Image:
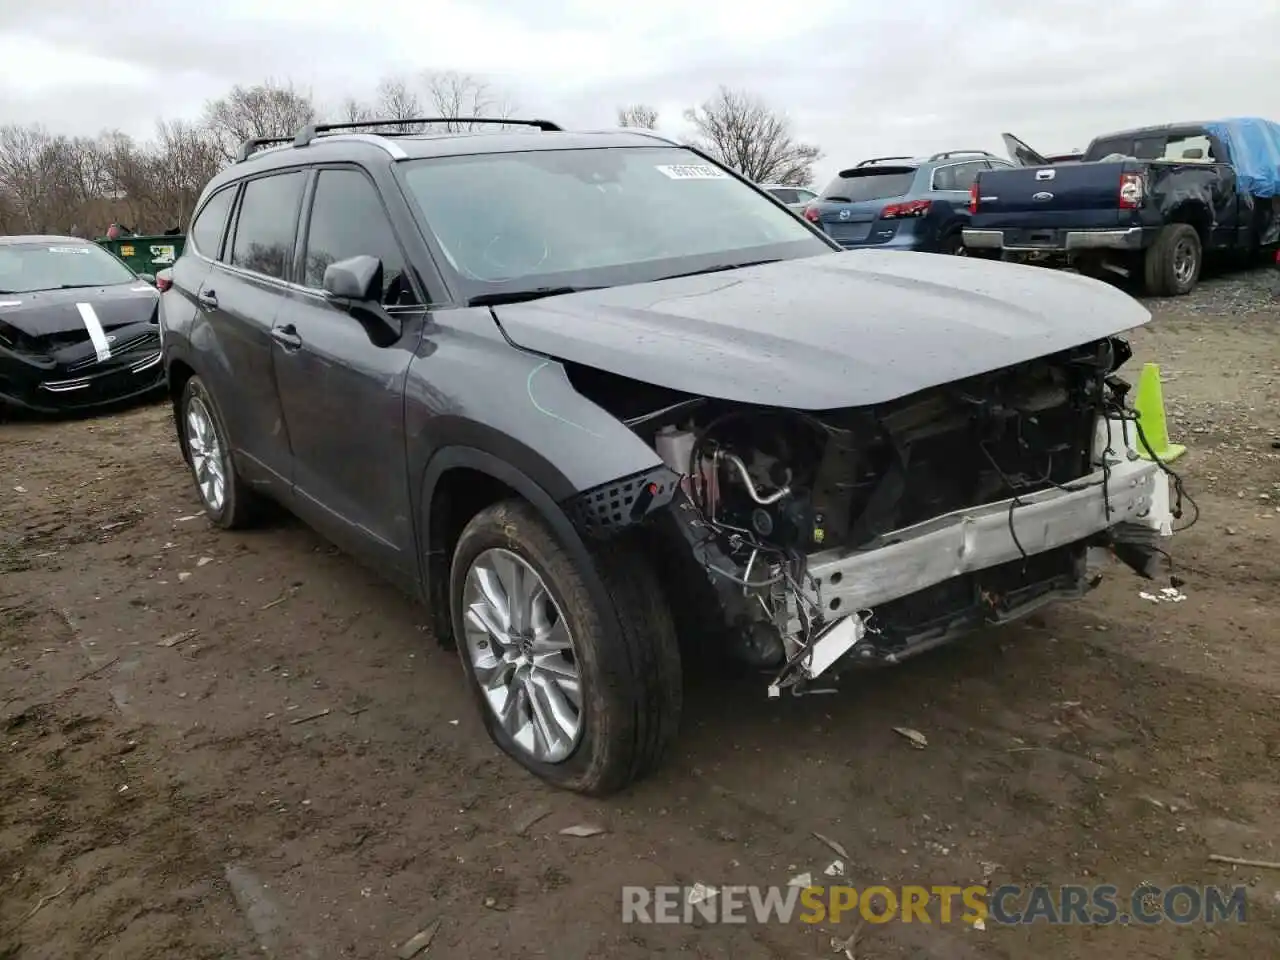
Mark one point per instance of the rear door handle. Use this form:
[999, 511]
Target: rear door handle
[287, 336]
[208, 299]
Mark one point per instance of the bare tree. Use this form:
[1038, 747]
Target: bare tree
[353, 111]
[79, 185]
[268, 109]
[45, 179]
[24, 179]
[638, 115]
[741, 131]
[184, 158]
[128, 194]
[58, 184]
[397, 100]
[459, 97]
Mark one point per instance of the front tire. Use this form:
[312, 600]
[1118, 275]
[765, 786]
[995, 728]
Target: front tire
[226, 499]
[585, 695]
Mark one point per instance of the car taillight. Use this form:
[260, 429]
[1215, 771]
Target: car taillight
[1130, 190]
[900, 211]
[811, 214]
[164, 280]
[974, 197]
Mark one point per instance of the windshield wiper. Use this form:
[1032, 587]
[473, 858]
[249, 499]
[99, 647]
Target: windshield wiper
[722, 268]
[522, 296]
[76, 286]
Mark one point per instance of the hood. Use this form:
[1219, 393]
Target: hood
[836, 330]
[45, 312]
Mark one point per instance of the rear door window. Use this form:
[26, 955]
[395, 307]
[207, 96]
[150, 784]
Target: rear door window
[267, 224]
[869, 183]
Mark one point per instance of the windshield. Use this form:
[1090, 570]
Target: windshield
[596, 217]
[26, 267]
[878, 183]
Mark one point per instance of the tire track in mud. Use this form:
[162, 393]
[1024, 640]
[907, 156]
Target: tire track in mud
[88, 811]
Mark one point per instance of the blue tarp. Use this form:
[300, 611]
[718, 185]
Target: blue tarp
[1254, 144]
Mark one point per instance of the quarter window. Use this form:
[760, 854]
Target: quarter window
[348, 220]
[267, 223]
[206, 232]
[957, 176]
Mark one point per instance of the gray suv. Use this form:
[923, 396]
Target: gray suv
[603, 405]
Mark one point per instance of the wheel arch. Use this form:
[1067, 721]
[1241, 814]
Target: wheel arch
[948, 230]
[458, 482]
[177, 372]
[1196, 214]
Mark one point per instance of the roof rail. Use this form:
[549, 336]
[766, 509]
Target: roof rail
[948, 154]
[386, 143]
[874, 160]
[250, 146]
[311, 131]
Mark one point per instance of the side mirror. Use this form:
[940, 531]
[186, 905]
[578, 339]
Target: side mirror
[357, 279]
[148, 278]
[355, 284]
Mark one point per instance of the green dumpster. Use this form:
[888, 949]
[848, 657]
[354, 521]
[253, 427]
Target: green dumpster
[145, 254]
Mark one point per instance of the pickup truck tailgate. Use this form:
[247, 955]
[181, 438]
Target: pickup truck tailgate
[1069, 195]
[1061, 209]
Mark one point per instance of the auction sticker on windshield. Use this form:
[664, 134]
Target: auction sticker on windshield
[692, 171]
[78, 250]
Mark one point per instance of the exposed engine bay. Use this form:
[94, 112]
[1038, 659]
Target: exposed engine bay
[868, 535]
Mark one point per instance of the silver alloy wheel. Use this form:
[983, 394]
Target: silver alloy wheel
[523, 655]
[1184, 261]
[206, 455]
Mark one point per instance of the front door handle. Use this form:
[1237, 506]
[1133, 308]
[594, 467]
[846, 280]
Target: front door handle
[287, 336]
[208, 299]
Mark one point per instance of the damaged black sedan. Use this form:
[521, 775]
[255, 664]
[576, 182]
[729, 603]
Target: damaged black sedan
[78, 328]
[601, 403]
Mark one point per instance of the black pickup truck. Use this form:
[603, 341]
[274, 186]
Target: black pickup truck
[1148, 203]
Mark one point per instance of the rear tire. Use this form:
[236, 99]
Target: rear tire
[624, 653]
[227, 500]
[1171, 265]
[953, 245]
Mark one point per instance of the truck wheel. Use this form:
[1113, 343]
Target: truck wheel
[226, 499]
[1171, 266]
[953, 245]
[586, 695]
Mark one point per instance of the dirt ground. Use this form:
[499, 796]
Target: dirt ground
[225, 746]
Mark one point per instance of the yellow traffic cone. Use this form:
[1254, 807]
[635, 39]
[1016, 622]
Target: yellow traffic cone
[1149, 403]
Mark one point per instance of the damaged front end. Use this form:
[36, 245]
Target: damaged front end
[65, 370]
[868, 535]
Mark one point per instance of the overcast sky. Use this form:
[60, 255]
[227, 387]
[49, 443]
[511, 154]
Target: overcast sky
[910, 77]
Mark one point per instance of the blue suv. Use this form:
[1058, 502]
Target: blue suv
[903, 203]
